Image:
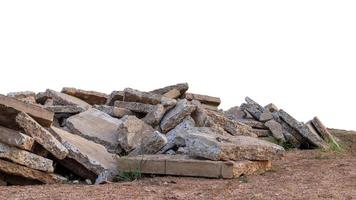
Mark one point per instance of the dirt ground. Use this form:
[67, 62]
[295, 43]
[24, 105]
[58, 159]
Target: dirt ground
[311, 174]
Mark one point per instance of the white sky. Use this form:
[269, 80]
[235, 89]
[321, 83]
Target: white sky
[301, 55]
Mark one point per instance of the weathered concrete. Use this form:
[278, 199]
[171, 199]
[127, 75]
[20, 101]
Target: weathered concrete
[132, 132]
[180, 87]
[65, 99]
[154, 117]
[96, 126]
[135, 107]
[271, 108]
[16, 139]
[261, 132]
[303, 130]
[180, 165]
[25, 96]
[113, 111]
[68, 109]
[176, 115]
[41, 135]
[235, 113]
[323, 131]
[217, 147]
[25, 158]
[115, 96]
[151, 144]
[18, 170]
[91, 97]
[94, 157]
[253, 123]
[172, 94]
[276, 130]
[132, 95]
[10, 107]
[204, 99]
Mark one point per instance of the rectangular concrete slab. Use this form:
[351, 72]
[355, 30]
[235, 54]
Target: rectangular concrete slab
[16, 139]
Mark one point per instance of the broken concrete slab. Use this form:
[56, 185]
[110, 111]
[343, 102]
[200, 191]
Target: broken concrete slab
[96, 126]
[210, 107]
[257, 113]
[26, 96]
[10, 107]
[271, 108]
[217, 147]
[94, 157]
[25, 158]
[324, 133]
[68, 109]
[115, 96]
[261, 132]
[176, 115]
[65, 99]
[135, 106]
[151, 144]
[16, 139]
[41, 135]
[18, 170]
[132, 95]
[172, 94]
[113, 111]
[303, 130]
[181, 165]
[180, 87]
[154, 117]
[276, 130]
[235, 113]
[204, 99]
[132, 132]
[253, 123]
[91, 97]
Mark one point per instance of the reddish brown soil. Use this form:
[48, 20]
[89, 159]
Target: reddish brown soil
[300, 175]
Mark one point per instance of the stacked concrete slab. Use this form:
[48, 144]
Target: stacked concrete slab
[56, 137]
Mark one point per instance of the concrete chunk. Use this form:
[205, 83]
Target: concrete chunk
[154, 117]
[181, 165]
[96, 126]
[132, 132]
[235, 113]
[113, 111]
[172, 94]
[65, 99]
[115, 96]
[217, 147]
[151, 144]
[180, 87]
[303, 130]
[134, 106]
[276, 130]
[132, 95]
[25, 96]
[18, 170]
[10, 107]
[91, 97]
[204, 99]
[68, 109]
[323, 131]
[25, 158]
[16, 139]
[41, 136]
[94, 157]
[176, 115]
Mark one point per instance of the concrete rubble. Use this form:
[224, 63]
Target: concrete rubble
[58, 137]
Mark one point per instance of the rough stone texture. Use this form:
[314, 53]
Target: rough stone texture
[181, 165]
[276, 129]
[135, 107]
[231, 126]
[235, 113]
[91, 97]
[113, 111]
[257, 113]
[271, 108]
[94, 157]
[303, 130]
[115, 96]
[41, 136]
[323, 131]
[265, 116]
[261, 132]
[217, 147]
[132, 95]
[65, 99]
[26, 96]
[18, 170]
[132, 132]
[154, 116]
[172, 94]
[10, 107]
[253, 123]
[16, 139]
[25, 158]
[69, 109]
[176, 115]
[96, 126]
[204, 99]
[210, 107]
[151, 144]
[186, 124]
[180, 87]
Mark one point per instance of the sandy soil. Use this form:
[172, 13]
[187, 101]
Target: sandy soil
[311, 174]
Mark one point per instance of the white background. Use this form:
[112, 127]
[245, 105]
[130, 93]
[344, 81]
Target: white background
[298, 54]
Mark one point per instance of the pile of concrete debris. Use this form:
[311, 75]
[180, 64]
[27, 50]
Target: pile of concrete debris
[57, 137]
